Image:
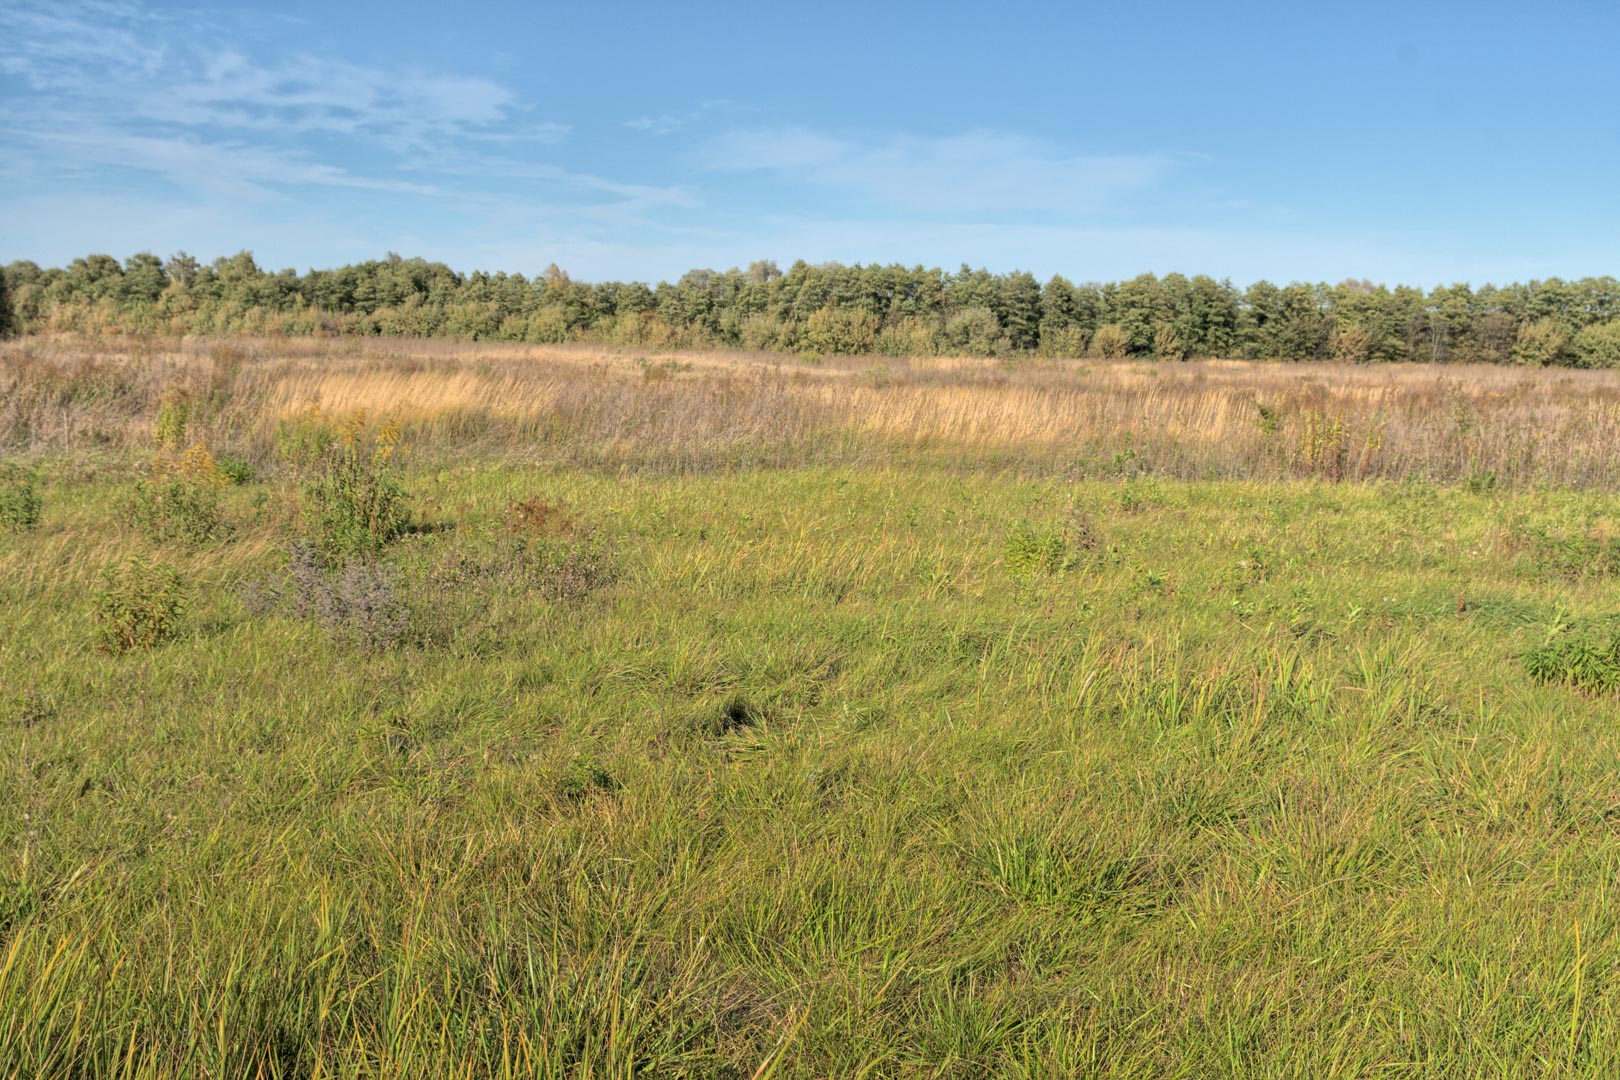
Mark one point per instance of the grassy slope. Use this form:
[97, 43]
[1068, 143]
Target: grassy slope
[1255, 787]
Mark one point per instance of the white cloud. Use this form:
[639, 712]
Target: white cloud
[51, 47]
[235, 170]
[118, 94]
[667, 124]
[301, 94]
[972, 172]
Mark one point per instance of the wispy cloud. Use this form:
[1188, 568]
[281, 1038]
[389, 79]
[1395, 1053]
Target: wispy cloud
[669, 124]
[231, 169]
[51, 46]
[972, 172]
[301, 94]
[115, 87]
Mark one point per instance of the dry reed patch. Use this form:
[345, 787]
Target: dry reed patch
[1203, 418]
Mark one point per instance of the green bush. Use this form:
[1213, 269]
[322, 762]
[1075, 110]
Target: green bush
[1597, 346]
[841, 331]
[1541, 343]
[20, 504]
[1585, 658]
[235, 470]
[975, 331]
[181, 499]
[356, 503]
[138, 605]
[1030, 551]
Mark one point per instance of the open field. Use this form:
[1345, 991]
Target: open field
[721, 717]
[706, 411]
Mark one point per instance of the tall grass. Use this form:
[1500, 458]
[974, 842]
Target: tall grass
[593, 406]
[826, 782]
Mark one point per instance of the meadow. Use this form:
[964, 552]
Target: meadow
[719, 715]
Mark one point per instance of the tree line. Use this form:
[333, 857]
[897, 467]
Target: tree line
[830, 309]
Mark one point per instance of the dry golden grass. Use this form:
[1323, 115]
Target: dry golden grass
[598, 406]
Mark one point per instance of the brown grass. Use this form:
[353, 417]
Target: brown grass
[599, 407]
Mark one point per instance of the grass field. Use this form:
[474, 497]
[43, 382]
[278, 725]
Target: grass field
[833, 742]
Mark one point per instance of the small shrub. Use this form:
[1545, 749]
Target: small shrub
[356, 503]
[138, 605]
[235, 470]
[1069, 342]
[20, 504]
[1585, 659]
[181, 499]
[358, 602]
[1030, 551]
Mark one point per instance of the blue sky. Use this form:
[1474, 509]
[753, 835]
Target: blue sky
[1420, 143]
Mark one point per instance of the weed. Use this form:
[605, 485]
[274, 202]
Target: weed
[569, 571]
[1031, 551]
[236, 470]
[1080, 529]
[1324, 447]
[360, 602]
[174, 414]
[1587, 658]
[1135, 495]
[565, 568]
[20, 502]
[33, 709]
[356, 503]
[180, 499]
[736, 713]
[138, 605]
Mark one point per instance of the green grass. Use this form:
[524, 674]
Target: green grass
[1254, 783]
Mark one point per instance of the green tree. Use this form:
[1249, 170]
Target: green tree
[1021, 310]
[1140, 306]
[8, 320]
